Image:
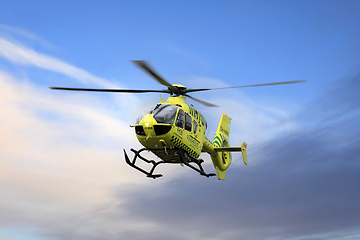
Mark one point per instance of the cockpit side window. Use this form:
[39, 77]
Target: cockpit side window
[180, 119]
[165, 113]
[187, 122]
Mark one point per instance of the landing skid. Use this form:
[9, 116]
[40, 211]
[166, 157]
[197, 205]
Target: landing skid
[184, 156]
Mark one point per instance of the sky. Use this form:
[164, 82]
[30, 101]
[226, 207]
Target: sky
[63, 174]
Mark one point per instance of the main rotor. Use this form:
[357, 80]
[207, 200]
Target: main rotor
[174, 90]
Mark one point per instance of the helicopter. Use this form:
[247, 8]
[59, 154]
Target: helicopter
[175, 131]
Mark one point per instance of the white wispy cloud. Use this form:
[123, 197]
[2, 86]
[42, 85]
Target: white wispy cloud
[15, 34]
[19, 54]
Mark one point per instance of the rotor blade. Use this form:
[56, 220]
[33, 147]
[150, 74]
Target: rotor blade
[145, 66]
[201, 101]
[109, 90]
[254, 85]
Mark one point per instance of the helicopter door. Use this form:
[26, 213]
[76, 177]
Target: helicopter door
[195, 126]
[188, 122]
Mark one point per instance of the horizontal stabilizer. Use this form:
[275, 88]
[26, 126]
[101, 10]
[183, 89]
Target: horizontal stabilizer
[234, 149]
[228, 149]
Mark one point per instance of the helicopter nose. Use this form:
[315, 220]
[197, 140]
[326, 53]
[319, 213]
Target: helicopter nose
[148, 125]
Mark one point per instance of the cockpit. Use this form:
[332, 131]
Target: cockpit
[165, 113]
[162, 113]
[166, 116]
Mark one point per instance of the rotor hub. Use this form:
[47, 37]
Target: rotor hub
[179, 89]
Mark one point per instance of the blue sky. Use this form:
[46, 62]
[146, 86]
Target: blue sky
[63, 174]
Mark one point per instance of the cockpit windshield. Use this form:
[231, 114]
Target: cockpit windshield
[144, 112]
[165, 113]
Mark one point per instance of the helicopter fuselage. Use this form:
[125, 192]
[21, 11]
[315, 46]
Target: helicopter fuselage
[172, 125]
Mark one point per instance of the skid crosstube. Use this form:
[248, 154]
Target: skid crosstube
[184, 156]
[137, 155]
[184, 160]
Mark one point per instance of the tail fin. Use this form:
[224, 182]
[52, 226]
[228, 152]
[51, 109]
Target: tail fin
[221, 139]
[219, 149]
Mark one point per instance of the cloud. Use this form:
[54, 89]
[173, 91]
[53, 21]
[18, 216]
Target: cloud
[21, 55]
[58, 147]
[15, 33]
[52, 165]
[7, 238]
[341, 99]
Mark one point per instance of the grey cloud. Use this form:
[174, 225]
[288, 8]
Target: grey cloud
[340, 98]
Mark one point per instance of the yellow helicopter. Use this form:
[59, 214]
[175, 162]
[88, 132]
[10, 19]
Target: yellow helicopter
[175, 131]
